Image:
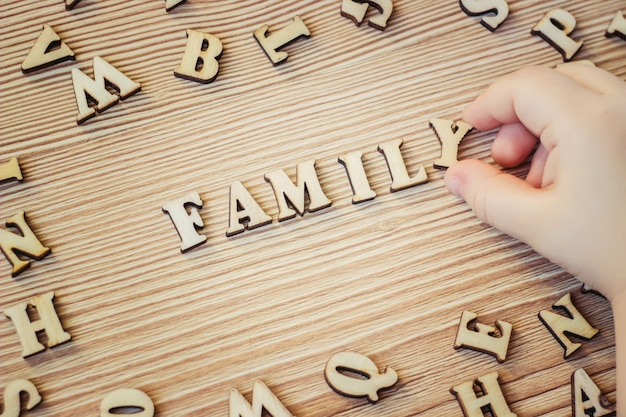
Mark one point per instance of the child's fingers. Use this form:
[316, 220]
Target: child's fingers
[591, 77]
[508, 203]
[534, 96]
[535, 173]
[512, 145]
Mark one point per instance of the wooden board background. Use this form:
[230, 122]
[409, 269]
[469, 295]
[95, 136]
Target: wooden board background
[388, 278]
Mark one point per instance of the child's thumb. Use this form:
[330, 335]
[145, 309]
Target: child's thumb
[504, 201]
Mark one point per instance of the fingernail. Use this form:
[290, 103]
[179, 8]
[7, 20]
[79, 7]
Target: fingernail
[453, 184]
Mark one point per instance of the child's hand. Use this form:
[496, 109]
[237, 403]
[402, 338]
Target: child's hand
[572, 206]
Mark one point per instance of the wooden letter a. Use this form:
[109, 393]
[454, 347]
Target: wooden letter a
[587, 400]
[245, 212]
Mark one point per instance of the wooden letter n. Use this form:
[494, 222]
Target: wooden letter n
[560, 326]
[25, 244]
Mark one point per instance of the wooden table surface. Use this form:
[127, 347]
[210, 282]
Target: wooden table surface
[388, 278]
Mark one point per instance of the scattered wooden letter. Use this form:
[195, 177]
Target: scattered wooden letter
[172, 4]
[12, 397]
[499, 8]
[48, 322]
[280, 38]
[574, 324]
[356, 11]
[48, 50]
[397, 169]
[353, 163]
[96, 88]
[262, 399]
[199, 61]
[491, 397]
[10, 170]
[291, 198]
[25, 243]
[450, 135]
[69, 4]
[554, 27]
[127, 401]
[617, 27]
[480, 336]
[367, 384]
[186, 223]
[586, 396]
[585, 288]
[244, 211]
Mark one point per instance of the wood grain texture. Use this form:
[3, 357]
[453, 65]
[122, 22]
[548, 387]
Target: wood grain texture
[388, 278]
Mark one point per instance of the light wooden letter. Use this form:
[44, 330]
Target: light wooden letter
[353, 163]
[45, 53]
[12, 400]
[10, 170]
[554, 28]
[289, 195]
[26, 244]
[96, 88]
[186, 223]
[244, 211]
[48, 322]
[172, 4]
[499, 8]
[587, 396]
[450, 135]
[575, 324]
[127, 398]
[282, 37]
[617, 27]
[199, 61]
[262, 399]
[397, 169]
[491, 397]
[481, 338]
[356, 11]
[69, 4]
[342, 383]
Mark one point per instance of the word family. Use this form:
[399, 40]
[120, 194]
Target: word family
[247, 214]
